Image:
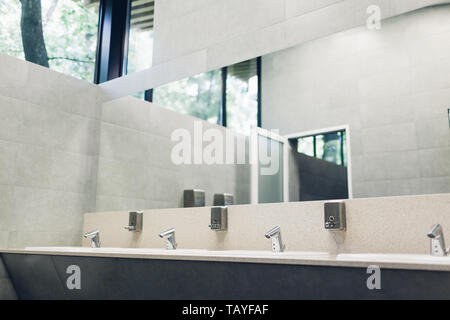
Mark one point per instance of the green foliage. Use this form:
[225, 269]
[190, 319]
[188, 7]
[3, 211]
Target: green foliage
[140, 50]
[70, 33]
[198, 96]
[10, 36]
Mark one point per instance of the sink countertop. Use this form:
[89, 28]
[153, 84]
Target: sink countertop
[390, 261]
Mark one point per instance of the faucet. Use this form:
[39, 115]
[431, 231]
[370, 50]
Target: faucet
[275, 235]
[95, 238]
[437, 245]
[170, 238]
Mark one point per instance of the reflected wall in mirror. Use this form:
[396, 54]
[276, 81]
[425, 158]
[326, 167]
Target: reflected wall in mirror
[390, 87]
[318, 167]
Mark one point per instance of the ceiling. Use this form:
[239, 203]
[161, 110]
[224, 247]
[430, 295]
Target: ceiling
[243, 70]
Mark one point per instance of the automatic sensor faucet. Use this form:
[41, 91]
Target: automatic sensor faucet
[169, 235]
[437, 245]
[275, 235]
[95, 238]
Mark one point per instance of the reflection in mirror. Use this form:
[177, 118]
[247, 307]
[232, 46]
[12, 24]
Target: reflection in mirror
[228, 96]
[318, 166]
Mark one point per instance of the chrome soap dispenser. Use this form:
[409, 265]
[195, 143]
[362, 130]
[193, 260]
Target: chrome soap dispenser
[219, 218]
[135, 221]
[334, 216]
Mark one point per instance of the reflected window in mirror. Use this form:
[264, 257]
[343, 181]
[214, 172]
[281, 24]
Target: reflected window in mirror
[328, 146]
[227, 96]
[198, 96]
[140, 41]
[242, 96]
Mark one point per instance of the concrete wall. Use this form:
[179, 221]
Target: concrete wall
[49, 126]
[235, 30]
[194, 36]
[392, 87]
[135, 166]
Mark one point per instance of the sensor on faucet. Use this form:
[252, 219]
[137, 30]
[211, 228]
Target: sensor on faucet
[275, 235]
[437, 245]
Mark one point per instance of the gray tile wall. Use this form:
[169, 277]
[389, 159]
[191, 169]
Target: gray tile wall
[230, 31]
[49, 148]
[135, 167]
[391, 86]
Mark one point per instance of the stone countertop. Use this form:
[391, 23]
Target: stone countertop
[389, 261]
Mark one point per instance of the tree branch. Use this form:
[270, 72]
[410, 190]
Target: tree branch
[71, 59]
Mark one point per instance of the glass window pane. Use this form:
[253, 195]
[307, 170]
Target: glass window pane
[270, 184]
[332, 147]
[139, 95]
[198, 96]
[306, 146]
[140, 44]
[344, 144]
[328, 147]
[320, 143]
[242, 96]
[10, 35]
[68, 40]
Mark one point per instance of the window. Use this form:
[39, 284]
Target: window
[140, 42]
[198, 96]
[328, 146]
[231, 91]
[65, 39]
[242, 96]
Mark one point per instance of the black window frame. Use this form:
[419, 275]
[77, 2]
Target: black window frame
[112, 41]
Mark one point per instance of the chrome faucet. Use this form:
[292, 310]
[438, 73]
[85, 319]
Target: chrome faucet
[170, 238]
[437, 245]
[275, 235]
[95, 238]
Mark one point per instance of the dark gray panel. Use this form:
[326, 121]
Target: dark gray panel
[7, 291]
[118, 278]
[33, 276]
[319, 179]
[3, 272]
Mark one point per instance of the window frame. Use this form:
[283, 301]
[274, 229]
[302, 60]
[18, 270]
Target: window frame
[347, 144]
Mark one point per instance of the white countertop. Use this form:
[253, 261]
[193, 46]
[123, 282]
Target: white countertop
[391, 261]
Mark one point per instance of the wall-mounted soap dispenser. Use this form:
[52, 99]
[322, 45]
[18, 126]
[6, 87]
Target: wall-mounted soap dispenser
[334, 216]
[135, 221]
[219, 218]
